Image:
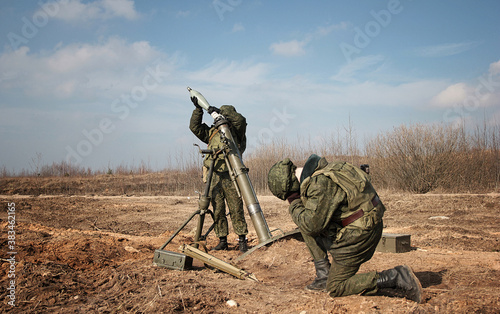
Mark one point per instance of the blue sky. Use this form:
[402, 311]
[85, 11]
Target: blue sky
[103, 82]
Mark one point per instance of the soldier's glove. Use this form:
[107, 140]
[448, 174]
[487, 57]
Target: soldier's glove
[213, 109]
[195, 102]
[282, 181]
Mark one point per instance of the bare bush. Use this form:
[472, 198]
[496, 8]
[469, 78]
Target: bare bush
[64, 169]
[421, 158]
[264, 157]
[4, 173]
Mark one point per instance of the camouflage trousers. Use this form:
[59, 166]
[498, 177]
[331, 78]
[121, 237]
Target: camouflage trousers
[223, 190]
[355, 248]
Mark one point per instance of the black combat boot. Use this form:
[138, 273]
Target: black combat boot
[401, 278]
[222, 244]
[242, 241]
[322, 270]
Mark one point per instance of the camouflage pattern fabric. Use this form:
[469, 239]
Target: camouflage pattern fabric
[281, 179]
[317, 214]
[209, 134]
[318, 251]
[238, 125]
[222, 191]
[343, 278]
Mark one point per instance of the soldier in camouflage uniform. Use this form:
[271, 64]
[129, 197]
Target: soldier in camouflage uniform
[222, 189]
[337, 210]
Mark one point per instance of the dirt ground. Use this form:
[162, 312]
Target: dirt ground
[89, 254]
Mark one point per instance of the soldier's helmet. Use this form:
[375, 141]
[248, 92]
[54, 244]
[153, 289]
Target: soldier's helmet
[281, 179]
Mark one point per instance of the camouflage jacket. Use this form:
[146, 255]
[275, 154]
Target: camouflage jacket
[210, 136]
[332, 194]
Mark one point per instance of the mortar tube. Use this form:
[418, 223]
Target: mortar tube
[245, 185]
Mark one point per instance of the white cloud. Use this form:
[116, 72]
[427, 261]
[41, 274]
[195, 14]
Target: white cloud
[326, 30]
[77, 68]
[300, 93]
[76, 10]
[485, 92]
[495, 68]
[292, 48]
[238, 27]
[120, 8]
[348, 72]
[112, 54]
[375, 94]
[231, 73]
[445, 50]
[452, 95]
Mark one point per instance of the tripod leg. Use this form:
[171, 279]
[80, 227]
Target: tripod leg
[180, 228]
[203, 203]
[199, 229]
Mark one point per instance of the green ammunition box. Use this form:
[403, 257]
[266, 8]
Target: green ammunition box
[394, 243]
[172, 260]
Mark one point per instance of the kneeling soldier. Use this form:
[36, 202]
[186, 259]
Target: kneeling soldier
[337, 210]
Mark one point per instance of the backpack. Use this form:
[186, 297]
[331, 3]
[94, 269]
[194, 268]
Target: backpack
[360, 193]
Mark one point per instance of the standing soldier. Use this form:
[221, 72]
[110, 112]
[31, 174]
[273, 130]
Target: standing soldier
[222, 189]
[338, 211]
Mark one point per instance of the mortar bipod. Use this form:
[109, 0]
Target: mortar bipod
[179, 261]
[204, 200]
